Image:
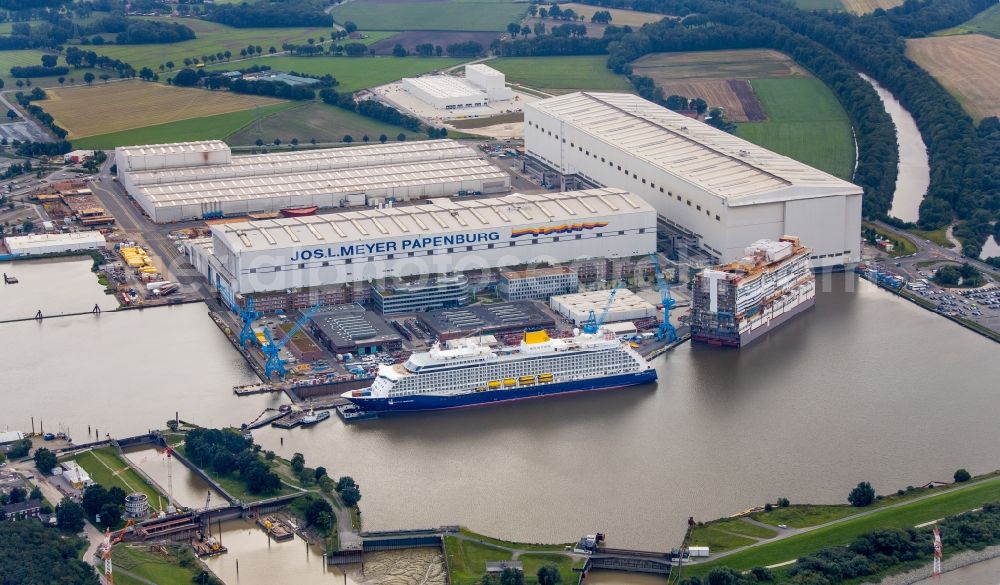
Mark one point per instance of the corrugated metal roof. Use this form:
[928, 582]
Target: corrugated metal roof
[309, 160]
[174, 148]
[695, 152]
[17, 243]
[442, 216]
[483, 70]
[445, 86]
[350, 180]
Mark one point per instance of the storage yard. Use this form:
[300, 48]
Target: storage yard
[717, 193]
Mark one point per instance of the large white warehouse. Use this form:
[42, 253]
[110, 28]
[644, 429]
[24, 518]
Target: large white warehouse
[38, 244]
[480, 86]
[170, 184]
[444, 236]
[723, 191]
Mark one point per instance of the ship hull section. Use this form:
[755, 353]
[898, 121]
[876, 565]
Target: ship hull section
[423, 403]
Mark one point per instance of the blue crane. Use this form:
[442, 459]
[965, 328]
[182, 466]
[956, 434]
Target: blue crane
[666, 330]
[248, 314]
[593, 323]
[272, 351]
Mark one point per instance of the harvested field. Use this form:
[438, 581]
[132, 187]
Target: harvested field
[455, 15]
[619, 17]
[111, 107]
[967, 65]
[718, 77]
[866, 6]
[745, 64]
[410, 39]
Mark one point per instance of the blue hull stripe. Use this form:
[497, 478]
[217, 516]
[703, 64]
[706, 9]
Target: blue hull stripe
[418, 403]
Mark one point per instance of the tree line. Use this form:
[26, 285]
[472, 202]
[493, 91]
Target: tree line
[32, 553]
[265, 14]
[370, 109]
[226, 452]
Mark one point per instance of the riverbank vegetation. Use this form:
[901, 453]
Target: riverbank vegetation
[32, 553]
[169, 564]
[469, 553]
[909, 511]
[234, 461]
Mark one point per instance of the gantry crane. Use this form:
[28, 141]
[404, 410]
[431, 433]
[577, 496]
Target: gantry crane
[248, 315]
[666, 330]
[593, 323]
[272, 350]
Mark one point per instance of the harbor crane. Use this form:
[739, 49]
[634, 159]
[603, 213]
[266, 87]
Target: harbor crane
[593, 323]
[272, 351]
[666, 330]
[248, 315]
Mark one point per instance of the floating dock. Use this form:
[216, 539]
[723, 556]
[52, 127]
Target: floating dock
[9, 279]
[208, 547]
[276, 528]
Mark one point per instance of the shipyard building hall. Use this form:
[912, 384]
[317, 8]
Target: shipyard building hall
[715, 190]
[437, 237]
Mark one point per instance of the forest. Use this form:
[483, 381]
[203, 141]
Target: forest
[266, 14]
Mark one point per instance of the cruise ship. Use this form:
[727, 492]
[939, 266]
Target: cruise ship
[738, 302]
[472, 372]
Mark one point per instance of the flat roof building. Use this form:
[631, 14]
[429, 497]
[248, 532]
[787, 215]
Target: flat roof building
[352, 329]
[38, 244]
[720, 190]
[333, 177]
[480, 86]
[627, 306]
[421, 295]
[492, 319]
[445, 236]
[537, 283]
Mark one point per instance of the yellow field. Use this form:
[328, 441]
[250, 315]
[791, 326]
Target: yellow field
[967, 65]
[112, 107]
[619, 17]
[866, 6]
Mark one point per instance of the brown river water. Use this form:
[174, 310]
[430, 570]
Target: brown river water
[866, 386]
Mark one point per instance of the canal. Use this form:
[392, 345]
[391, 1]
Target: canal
[190, 491]
[914, 168]
[865, 386]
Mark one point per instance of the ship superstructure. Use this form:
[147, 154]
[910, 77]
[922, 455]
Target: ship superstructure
[738, 302]
[470, 372]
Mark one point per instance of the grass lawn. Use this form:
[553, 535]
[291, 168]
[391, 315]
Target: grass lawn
[355, 73]
[108, 469]
[236, 488]
[534, 561]
[946, 503]
[937, 236]
[562, 74]
[314, 120]
[456, 15]
[213, 38]
[799, 110]
[717, 540]
[986, 22]
[517, 545]
[206, 128]
[803, 516]
[901, 246]
[10, 59]
[153, 566]
[467, 560]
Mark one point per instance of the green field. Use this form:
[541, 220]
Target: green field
[356, 73]
[562, 74]
[805, 122]
[206, 128]
[214, 38]
[467, 561]
[152, 566]
[108, 469]
[803, 516]
[986, 22]
[10, 59]
[463, 15]
[819, 4]
[314, 121]
[945, 503]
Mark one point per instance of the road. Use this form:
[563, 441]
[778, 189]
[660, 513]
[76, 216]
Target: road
[927, 250]
[52, 493]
